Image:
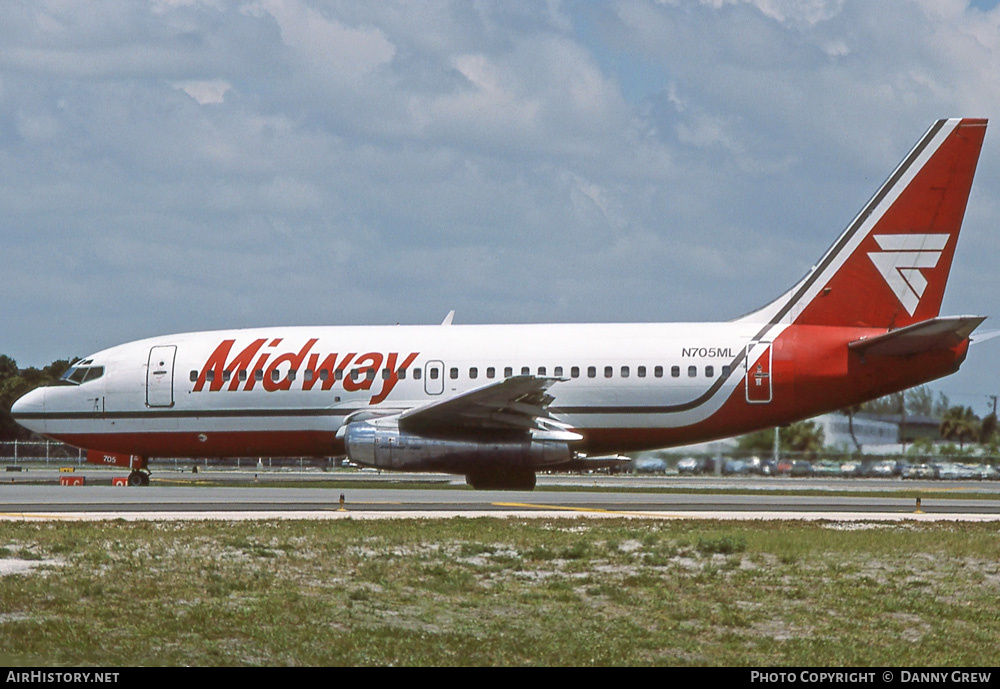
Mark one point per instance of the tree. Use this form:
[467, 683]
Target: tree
[15, 382]
[12, 386]
[961, 424]
[988, 430]
[850, 412]
[804, 436]
[918, 401]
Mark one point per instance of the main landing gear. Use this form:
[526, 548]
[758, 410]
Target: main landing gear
[138, 478]
[140, 471]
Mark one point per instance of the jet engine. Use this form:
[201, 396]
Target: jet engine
[506, 461]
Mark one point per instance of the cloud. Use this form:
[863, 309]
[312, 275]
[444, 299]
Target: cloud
[327, 47]
[205, 92]
[237, 163]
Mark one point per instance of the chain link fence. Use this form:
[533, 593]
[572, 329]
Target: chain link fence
[52, 453]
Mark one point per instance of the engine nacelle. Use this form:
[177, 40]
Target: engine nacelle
[380, 443]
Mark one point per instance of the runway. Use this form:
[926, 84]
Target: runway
[591, 497]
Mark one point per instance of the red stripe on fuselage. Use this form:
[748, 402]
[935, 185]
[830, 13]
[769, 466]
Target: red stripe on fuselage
[212, 443]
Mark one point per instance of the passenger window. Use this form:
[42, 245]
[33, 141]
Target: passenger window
[675, 371]
[370, 374]
[226, 376]
[658, 371]
[525, 371]
[574, 372]
[275, 375]
[624, 371]
[338, 374]
[726, 371]
[692, 371]
[508, 372]
[291, 374]
[608, 371]
[473, 373]
[194, 376]
[453, 373]
[541, 370]
[709, 371]
[491, 372]
[386, 373]
[416, 374]
[210, 376]
[591, 371]
[434, 374]
[641, 371]
[243, 374]
[401, 374]
[309, 375]
[258, 375]
[557, 372]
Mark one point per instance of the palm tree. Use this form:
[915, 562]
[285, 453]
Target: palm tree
[961, 424]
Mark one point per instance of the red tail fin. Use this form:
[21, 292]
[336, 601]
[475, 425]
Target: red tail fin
[890, 267]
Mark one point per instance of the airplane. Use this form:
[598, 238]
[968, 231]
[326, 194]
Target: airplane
[499, 403]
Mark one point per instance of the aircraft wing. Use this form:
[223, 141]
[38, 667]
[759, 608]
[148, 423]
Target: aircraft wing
[934, 333]
[518, 404]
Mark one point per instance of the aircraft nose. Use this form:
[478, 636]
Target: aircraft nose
[27, 406]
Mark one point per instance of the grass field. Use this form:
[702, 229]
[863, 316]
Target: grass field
[495, 591]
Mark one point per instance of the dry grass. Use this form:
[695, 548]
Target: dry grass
[500, 592]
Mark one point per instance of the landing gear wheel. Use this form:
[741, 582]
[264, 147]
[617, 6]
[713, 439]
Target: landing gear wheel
[138, 478]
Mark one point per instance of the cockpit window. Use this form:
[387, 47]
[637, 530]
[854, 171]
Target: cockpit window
[78, 375]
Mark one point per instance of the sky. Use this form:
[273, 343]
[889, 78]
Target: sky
[178, 165]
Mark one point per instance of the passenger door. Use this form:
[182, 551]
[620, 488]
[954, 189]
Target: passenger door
[160, 376]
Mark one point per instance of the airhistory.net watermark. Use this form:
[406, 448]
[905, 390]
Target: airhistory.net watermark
[50, 677]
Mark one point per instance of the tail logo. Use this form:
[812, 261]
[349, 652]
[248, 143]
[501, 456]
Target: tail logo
[901, 259]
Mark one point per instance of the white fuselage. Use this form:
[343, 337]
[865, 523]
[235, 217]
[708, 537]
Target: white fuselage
[285, 381]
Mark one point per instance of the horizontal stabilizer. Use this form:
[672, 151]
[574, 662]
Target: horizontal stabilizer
[926, 336]
[983, 337]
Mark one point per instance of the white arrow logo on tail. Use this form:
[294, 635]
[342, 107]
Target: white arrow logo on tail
[901, 260]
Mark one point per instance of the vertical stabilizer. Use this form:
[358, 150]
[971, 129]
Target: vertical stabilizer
[890, 266]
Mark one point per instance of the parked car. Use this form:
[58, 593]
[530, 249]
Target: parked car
[988, 472]
[883, 469]
[690, 466]
[649, 465]
[947, 471]
[731, 467]
[920, 471]
[801, 467]
[850, 468]
[827, 468]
